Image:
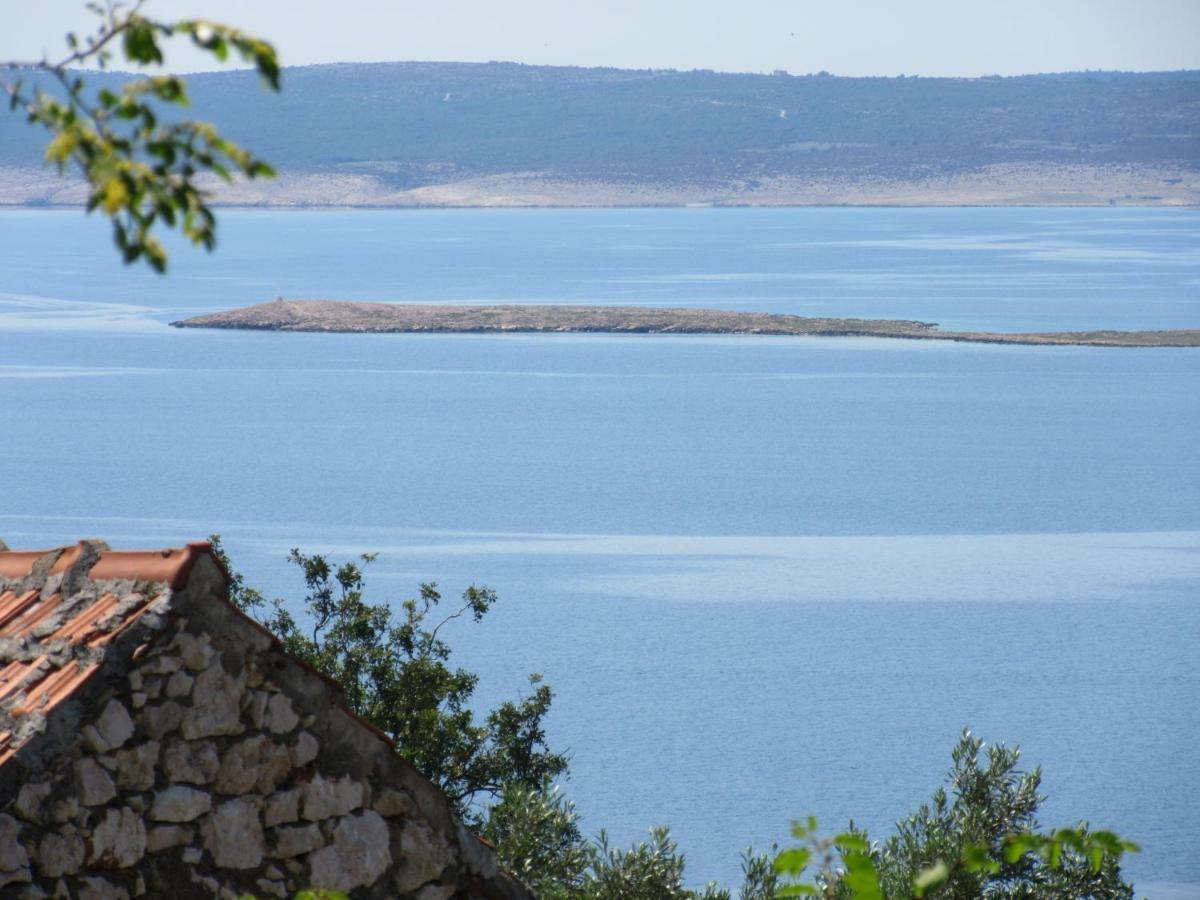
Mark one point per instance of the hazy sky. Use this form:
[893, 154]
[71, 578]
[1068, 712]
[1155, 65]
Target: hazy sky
[846, 37]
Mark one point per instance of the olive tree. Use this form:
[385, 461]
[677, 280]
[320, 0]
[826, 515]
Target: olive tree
[392, 663]
[979, 838]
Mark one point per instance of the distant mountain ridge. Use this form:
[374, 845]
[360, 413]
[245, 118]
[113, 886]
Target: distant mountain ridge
[416, 130]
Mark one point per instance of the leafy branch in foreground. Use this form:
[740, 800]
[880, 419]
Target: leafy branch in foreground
[140, 170]
[982, 843]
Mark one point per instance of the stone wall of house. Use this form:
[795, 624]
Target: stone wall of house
[211, 764]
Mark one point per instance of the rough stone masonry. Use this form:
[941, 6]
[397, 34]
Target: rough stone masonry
[182, 753]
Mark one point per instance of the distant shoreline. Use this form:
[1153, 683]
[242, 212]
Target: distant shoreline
[386, 318]
[1011, 186]
[376, 207]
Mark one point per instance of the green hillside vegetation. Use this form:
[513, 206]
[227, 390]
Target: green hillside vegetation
[413, 124]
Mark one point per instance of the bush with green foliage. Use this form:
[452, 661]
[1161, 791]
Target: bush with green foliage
[651, 870]
[978, 837]
[537, 837]
[979, 840]
[394, 671]
[535, 831]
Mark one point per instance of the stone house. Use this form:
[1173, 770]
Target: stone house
[155, 741]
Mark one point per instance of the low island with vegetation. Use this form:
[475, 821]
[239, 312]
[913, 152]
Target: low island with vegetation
[339, 316]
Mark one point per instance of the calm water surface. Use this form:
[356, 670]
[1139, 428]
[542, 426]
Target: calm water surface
[767, 577]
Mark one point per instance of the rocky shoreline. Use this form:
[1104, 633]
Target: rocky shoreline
[383, 318]
[369, 187]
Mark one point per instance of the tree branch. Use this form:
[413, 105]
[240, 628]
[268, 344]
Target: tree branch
[438, 627]
[141, 173]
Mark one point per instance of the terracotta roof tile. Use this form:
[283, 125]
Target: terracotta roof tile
[171, 566]
[18, 563]
[35, 626]
[60, 610]
[12, 605]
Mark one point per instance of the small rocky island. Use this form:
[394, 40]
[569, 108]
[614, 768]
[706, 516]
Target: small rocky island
[338, 316]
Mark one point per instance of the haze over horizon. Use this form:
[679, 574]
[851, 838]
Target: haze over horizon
[874, 37]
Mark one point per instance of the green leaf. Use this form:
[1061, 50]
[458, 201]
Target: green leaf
[861, 877]
[59, 150]
[140, 44]
[793, 862]
[853, 842]
[164, 150]
[796, 890]
[1014, 850]
[1056, 849]
[170, 90]
[268, 67]
[155, 255]
[931, 877]
[115, 195]
[977, 858]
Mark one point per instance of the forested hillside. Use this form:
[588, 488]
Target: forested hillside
[414, 124]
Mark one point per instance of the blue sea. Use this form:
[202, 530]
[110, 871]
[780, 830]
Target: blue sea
[767, 577]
